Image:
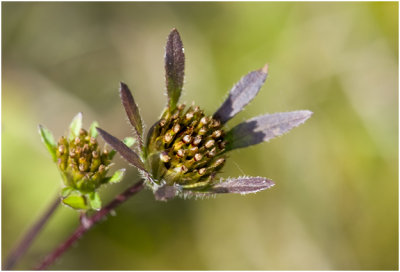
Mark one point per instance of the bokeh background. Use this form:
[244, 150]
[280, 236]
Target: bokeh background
[335, 205]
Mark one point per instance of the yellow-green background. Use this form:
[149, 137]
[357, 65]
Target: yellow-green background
[335, 203]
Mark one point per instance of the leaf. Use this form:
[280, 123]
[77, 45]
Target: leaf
[75, 126]
[48, 140]
[92, 130]
[174, 68]
[243, 185]
[165, 193]
[94, 200]
[241, 94]
[126, 153]
[265, 127]
[66, 191]
[129, 141]
[76, 201]
[132, 110]
[117, 176]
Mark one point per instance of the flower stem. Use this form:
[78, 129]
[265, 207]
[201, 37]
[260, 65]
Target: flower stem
[30, 236]
[88, 223]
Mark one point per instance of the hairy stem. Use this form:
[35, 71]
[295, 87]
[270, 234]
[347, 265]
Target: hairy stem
[27, 240]
[88, 222]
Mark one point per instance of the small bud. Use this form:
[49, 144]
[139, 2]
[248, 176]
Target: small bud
[164, 157]
[215, 123]
[82, 132]
[72, 152]
[92, 143]
[204, 120]
[176, 128]
[95, 154]
[180, 153]
[197, 140]
[175, 115]
[61, 149]
[85, 148]
[219, 162]
[198, 157]
[163, 122]
[212, 152]
[193, 151]
[168, 137]
[102, 168]
[210, 143]
[77, 140]
[187, 139]
[78, 150]
[217, 134]
[82, 167]
[189, 115]
[202, 171]
[184, 169]
[203, 131]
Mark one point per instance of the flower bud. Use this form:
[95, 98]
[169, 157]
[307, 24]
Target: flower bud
[192, 152]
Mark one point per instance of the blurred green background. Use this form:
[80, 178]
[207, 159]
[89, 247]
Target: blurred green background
[335, 205]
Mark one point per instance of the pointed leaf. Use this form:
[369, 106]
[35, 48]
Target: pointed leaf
[94, 201]
[243, 185]
[117, 176]
[48, 140]
[128, 154]
[132, 110]
[165, 193]
[265, 127]
[66, 191]
[92, 130]
[174, 68]
[129, 141]
[75, 126]
[77, 202]
[241, 94]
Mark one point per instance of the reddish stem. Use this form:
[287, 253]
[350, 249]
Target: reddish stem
[30, 236]
[89, 222]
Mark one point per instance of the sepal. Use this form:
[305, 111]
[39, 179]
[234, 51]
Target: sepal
[48, 141]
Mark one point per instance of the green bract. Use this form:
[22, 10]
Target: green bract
[185, 150]
[83, 165]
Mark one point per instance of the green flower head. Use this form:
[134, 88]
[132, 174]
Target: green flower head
[186, 149]
[83, 165]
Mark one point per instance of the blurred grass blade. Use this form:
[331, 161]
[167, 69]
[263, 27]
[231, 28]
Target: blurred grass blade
[174, 68]
[75, 126]
[243, 185]
[265, 127]
[130, 156]
[132, 110]
[117, 176]
[241, 94]
[92, 130]
[48, 140]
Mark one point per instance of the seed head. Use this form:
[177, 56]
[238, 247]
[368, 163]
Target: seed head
[191, 151]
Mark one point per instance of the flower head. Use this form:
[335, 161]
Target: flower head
[186, 149]
[82, 164]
